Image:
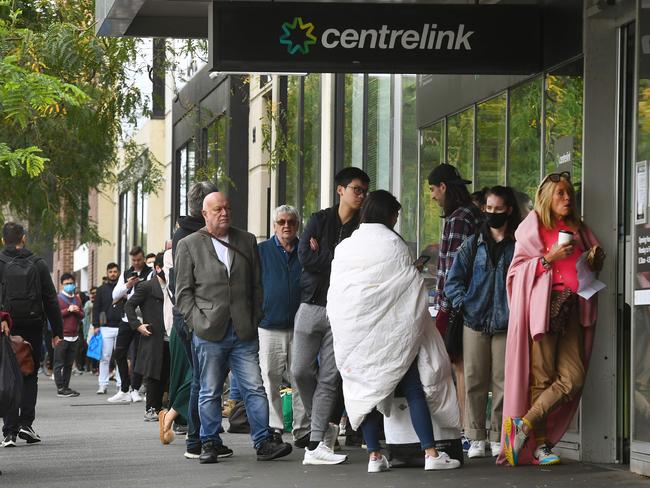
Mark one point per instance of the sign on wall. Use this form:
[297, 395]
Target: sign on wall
[378, 38]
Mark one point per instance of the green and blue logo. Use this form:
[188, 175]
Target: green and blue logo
[298, 36]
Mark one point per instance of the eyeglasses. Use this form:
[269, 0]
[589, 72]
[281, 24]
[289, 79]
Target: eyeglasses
[282, 222]
[358, 190]
[556, 177]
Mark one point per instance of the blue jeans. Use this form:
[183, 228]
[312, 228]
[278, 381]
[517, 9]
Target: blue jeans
[235, 394]
[214, 358]
[411, 387]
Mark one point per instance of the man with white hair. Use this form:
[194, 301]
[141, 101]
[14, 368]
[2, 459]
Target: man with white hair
[219, 292]
[281, 283]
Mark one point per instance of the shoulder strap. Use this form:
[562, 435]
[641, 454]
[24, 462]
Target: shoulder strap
[228, 245]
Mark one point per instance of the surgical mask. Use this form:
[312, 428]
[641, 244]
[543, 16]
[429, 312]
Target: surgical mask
[496, 220]
[69, 288]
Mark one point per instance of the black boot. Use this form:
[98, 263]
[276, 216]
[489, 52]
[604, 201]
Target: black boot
[208, 453]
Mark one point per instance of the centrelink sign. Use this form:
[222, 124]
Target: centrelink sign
[379, 38]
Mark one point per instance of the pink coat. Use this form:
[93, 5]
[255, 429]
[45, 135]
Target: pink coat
[529, 299]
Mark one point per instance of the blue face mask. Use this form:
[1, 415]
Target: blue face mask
[69, 288]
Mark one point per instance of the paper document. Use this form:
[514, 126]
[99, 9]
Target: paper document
[588, 285]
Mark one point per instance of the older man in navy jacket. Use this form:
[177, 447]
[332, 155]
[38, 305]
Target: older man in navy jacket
[281, 283]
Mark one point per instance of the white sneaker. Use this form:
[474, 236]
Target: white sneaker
[102, 390]
[443, 461]
[331, 435]
[495, 447]
[135, 396]
[323, 455]
[378, 465]
[120, 397]
[476, 449]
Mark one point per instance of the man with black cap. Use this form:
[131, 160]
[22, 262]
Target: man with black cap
[462, 218]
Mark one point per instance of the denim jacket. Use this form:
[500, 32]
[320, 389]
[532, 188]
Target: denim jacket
[485, 301]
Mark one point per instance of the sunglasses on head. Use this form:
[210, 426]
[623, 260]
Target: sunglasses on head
[556, 177]
[283, 221]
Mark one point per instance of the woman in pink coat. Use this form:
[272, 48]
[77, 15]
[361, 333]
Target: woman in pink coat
[550, 330]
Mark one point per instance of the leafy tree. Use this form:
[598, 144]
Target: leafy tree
[64, 93]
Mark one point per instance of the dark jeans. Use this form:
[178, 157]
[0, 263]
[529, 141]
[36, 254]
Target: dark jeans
[411, 388]
[157, 388]
[125, 336]
[64, 356]
[193, 421]
[25, 415]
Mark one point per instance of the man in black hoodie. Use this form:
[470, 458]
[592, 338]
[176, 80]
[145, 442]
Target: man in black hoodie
[186, 226]
[313, 366]
[19, 422]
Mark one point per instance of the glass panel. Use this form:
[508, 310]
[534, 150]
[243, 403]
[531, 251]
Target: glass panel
[641, 330]
[379, 133]
[292, 113]
[217, 144]
[460, 143]
[409, 172]
[182, 178]
[353, 124]
[124, 230]
[432, 147]
[311, 147]
[144, 216]
[191, 167]
[491, 142]
[525, 137]
[563, 141]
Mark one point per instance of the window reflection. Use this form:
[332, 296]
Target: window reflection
[490, 142]
[409, 159]
[460, 142]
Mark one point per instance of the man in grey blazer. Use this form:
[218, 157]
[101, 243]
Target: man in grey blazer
[219, 292]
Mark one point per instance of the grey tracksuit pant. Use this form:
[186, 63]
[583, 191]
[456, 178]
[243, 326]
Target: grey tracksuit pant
[313, 366]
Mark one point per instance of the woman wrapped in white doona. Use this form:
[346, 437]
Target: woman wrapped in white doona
[384, 336]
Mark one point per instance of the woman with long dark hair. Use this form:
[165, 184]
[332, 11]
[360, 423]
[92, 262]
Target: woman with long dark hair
[384, 337]
[477, 283]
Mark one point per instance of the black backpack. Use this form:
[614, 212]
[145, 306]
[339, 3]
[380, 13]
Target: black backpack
[20, 288]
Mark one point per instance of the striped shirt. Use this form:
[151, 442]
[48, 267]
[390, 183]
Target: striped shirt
[460, 225]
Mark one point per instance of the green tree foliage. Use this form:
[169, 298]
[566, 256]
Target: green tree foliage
[63, 95]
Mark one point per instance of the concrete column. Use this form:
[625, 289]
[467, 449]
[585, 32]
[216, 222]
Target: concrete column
[327, 139]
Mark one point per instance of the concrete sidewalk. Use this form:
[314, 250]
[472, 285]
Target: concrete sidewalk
[88, 442]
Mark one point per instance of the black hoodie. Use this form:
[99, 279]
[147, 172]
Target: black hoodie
[186, 226]
[48, 292]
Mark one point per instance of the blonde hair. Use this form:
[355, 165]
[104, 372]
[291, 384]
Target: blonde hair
[544, 199]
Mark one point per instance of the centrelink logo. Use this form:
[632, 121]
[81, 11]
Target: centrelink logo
[299, 35]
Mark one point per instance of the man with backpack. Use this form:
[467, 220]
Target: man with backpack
[28, 294]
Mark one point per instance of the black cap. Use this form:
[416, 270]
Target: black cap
[446, 173]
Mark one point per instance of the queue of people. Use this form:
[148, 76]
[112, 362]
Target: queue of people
[340, 313]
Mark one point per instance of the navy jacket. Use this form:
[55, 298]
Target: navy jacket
[485, 300]
[281, 284]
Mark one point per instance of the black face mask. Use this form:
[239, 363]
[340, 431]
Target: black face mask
[161, 274]
[496, 220]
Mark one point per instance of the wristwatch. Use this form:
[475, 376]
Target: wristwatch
[545, 263]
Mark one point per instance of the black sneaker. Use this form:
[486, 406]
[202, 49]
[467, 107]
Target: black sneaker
[67, 392]
[151, 415]
[192, 452]
[224, 451]
[303, 441]
[271, 448]
[9, 441]
[26, 433]
[208, 453]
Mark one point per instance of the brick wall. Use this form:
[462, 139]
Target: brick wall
[63, 259]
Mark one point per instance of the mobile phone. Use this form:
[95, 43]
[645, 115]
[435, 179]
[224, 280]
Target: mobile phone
[421, 261]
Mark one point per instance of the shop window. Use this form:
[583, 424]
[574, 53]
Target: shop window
[125, 229]
[141, 217]
[460, 142]
[409, 164]
[379, 131]
[563, 117]
[491, 142]
[432, 150]
[353, 120]
[185, 168]
[525, 137]
[311, 146]
[216, 137]
[303, 122]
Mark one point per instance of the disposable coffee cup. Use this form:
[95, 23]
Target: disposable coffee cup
[564, 236]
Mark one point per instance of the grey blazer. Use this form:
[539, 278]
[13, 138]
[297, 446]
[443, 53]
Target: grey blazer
[207, 297]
